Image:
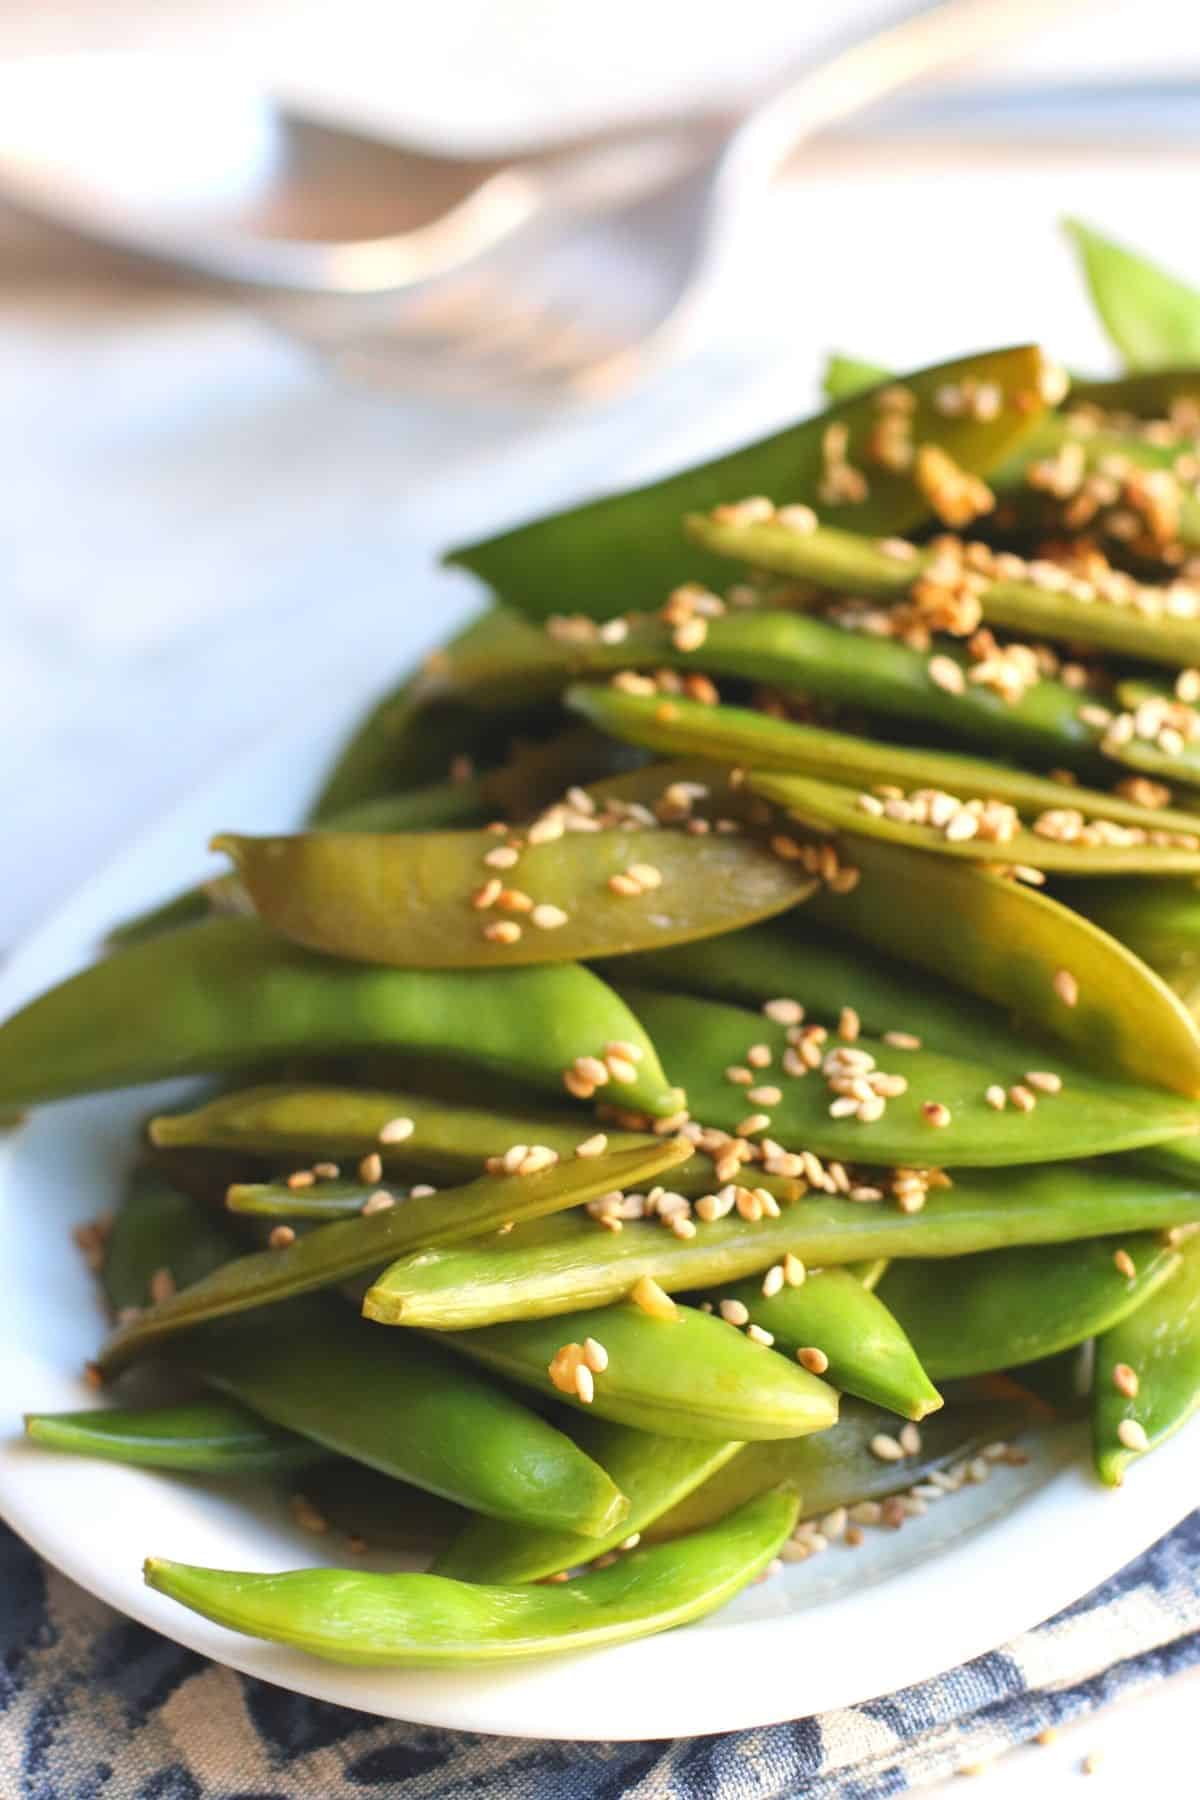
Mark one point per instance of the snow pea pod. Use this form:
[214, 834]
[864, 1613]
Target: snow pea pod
[749, 739]
[157, 1227]
[383, 1513]
[1053, 970]
[654, 1473]
[846, 375]
[837, 1468]
[1014, 1306]
[701, 1039]
[333, 1253]
[428, 1621]
[317, 1121]
[567, 1262]
[1147, 394]
[1151, 317]
[206, 1437]
[689, 1376]
[407, 900]
[227, 994]
[405, 1407]
[850, 563]
[1159, 921]
[828, 807]
[868, 1352]
[1159, 1344]
[629, 544]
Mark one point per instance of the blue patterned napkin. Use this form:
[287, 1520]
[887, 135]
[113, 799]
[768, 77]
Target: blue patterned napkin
[93, 1707]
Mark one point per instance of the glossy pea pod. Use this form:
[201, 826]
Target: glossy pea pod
[757, 740]
[421, 1621]
[158, 1227]
[204, 1437]
[685, 1376]
[1147, 1374]
[1151, 317]
[655, 1473]
[702, 1039]
[415, 901]
[1052, 970]
[228, 994]
[1015, 1306]
[839, 1468]
[866, 1350]
[406, 1408]
[334, 1253]
[1159, 921]
[560, 1264]
[851, 563]
[629, 545]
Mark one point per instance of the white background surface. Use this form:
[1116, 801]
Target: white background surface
[198, 533]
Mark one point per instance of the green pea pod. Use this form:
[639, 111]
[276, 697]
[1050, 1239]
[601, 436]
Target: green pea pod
[228, 994]
[1053, 970]
[850, 563]
[1160, 1344]
[1159, 921]
[1148, 394]
[689, 1376]
[157, 1227]
[749, 739]
[847, 375]
[832, 1311]
[385, 1514]
[206, 1437]
[320, 1121]
[334, 1253]
[654, 1473]
[407, 900]
[628, 544]
[430, 1621]
[1015, 1306]
[837, 1467]
[701, 1039]
[1151, 317]
[568, 1262]
[405, 1407]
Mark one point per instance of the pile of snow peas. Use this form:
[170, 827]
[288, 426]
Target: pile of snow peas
[722, 1057]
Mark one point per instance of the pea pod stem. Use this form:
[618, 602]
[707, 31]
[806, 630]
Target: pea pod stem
[432, 1621]
[333, 1253]
[571, 1263]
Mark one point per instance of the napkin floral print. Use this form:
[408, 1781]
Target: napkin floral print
[94, 1707]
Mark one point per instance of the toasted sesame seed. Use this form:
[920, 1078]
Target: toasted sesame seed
[784, 1011]
[370, 1169]
[754, 1122]
[1047, 1735]
[1124, 1264]
[585, 1386]
[547, 917]
[902, 1040]
[814, 1360]
[734, 1312]
[758, 1336]
[849, 1024]
[996, 1097]
[628, 886]
[1125, 1380]
[1022, 1098]
[326, 1171]
[422, 1191]
[765, 1096]
[945, 673]
[934, 1113]
[592, 1146]
[910, 1439]
[647, 875]
[772, 1280]
[647, 1294]
[1133, 1435]
[281, 1237]
[738, 1076]
[487, 895]
[1045, 1080]
[502, 857]
[381, 1201]
[759, 1056]
[621, 1069]
[794, 1272]
[396, 1131]
[886, 1448]
[537, 1158]
[162, 1283]
[301, 1178]
[504, 931]
[1066, 987]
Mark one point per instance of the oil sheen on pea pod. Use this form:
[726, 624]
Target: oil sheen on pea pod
[1151, 629]
[229, 994]
[334, 1253]
[430, 1621]
[654, 1473]
[838, 1467]
[204, 1437]
[557, 1265]
[824, 806]
[1052, 970]
[831, 1311]
[1014, 1306]
[630, 545]
[688, 1376]
[701, 1040]
[406, 1407]
[416, 900]
[155, 1228]
[1147, 1372]
[749, 739]
[1158, 920]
